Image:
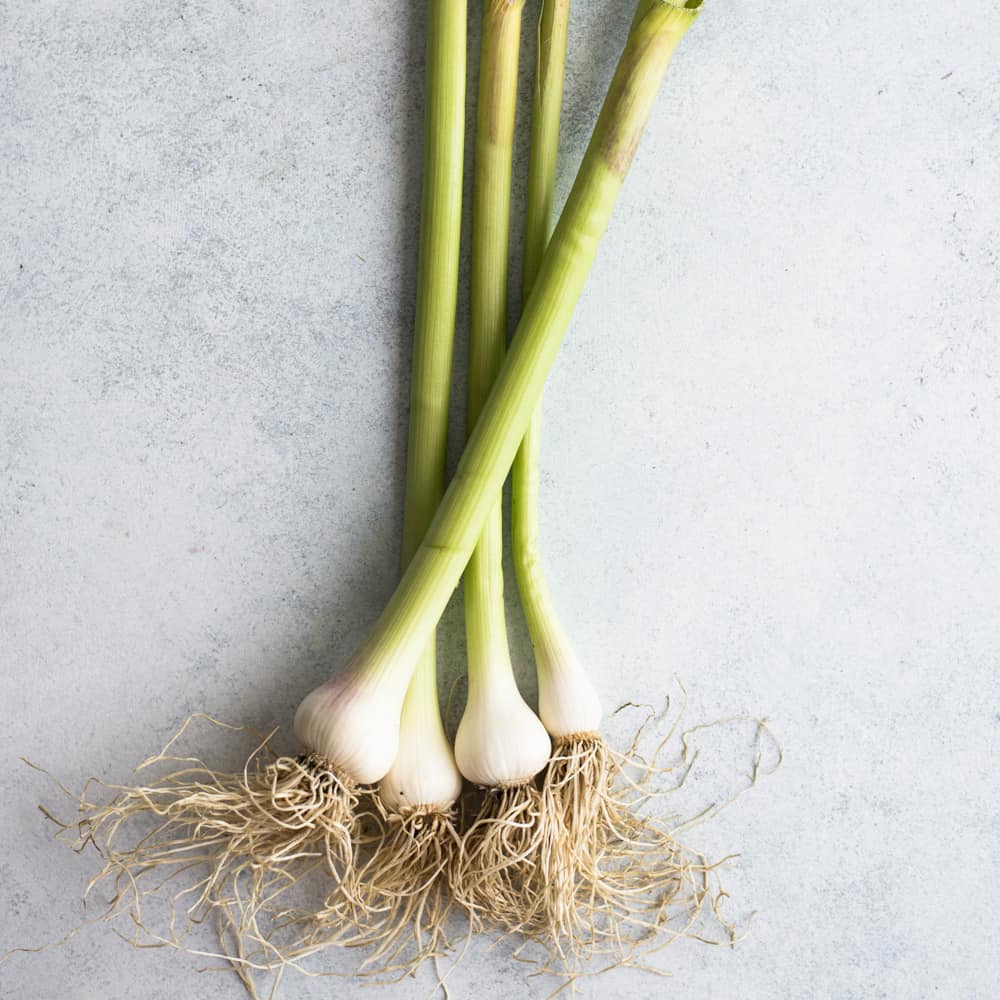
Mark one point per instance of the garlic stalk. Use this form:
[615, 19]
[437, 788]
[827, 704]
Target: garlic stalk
[500, 741]
[423, 774]
[568, 703]
[605, 878]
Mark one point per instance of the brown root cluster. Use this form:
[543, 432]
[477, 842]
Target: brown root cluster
[192, 845]
[286, 859]
[583, 866]
[571, 865]
[400, 914]
[496, 877]
[618, 883]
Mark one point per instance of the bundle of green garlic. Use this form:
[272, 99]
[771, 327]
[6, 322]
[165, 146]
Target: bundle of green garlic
[380, 835]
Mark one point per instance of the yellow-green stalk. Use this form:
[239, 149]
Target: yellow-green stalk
[567, 702]
[605, 878]
[500, 741]
[501, 744]
[424, 774]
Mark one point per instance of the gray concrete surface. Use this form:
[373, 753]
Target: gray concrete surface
[771, 463]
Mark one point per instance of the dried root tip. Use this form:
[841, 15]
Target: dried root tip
[497, 877]
[237, 848]
[403, 900]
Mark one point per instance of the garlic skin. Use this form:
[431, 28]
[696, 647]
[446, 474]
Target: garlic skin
[500, 741]
[353, 722]
[567, 700]
[423, 777]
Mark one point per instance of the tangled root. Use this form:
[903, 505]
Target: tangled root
[614, 882]
[575, 867]
[497, 877]
[288, 859]
[400, 914]
[239, 846]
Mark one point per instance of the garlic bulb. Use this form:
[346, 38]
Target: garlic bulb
[567, 701]
[423, 776]
[353, 722]
[500, 740]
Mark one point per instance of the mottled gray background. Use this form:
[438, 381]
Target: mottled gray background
[770, 466]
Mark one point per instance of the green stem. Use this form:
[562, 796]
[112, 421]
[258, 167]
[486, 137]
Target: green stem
[553, 30]
[434, 325]
[437, 277]
[414, 609]
[548, 637]
[486, 629]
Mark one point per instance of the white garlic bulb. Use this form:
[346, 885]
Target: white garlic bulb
[500, 740]
[353, 722]
[567, 701]
[423, 776]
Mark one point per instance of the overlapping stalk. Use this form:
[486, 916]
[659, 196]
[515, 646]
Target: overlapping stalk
[494, 706]
[384, 663]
